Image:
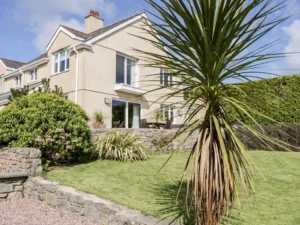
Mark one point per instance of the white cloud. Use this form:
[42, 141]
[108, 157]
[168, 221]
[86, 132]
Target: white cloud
[293, 31]
[43, 17]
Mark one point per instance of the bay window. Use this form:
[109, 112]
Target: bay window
[125, 70]
[61, 61]
[32, 75]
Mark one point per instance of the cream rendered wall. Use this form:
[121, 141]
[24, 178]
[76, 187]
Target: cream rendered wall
[66, 79]
[8, 84]
[100, 73]
[42, 72]
[2, 69]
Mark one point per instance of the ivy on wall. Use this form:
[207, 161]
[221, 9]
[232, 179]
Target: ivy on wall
[277, 98]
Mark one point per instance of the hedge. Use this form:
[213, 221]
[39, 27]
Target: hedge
[278, 98]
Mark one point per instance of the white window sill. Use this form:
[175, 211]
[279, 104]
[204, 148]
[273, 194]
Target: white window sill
[17, 87]
[32, 81]
[54, 74]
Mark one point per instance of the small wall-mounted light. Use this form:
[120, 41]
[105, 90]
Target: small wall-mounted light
[107, 100]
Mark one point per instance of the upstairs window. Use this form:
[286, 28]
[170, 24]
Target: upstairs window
[18, 81]
[165, 78]
[61, 61]
[125, 70]
[32, 75]
[167, 112]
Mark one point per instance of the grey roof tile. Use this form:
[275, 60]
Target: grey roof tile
[12, 63]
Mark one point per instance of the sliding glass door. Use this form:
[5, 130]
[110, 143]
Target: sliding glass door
[125, 114]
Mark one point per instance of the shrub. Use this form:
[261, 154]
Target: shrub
[286, 133]
[98, 120]
[278, 98]
[120, 146]
[56, 126]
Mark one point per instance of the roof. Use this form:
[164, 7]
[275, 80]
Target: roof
[12, 63]
[45, 55]
[99, 31]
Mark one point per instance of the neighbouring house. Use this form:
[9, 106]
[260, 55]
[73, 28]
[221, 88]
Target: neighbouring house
[99, 70]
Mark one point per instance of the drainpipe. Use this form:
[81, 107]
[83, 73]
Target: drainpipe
[77, 74]
[23, 78]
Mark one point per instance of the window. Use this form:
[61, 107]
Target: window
[167, 112]
[18, 81]
[125, 70]
[165, 78]
[32, 75]
[125, 114]
[61, 61]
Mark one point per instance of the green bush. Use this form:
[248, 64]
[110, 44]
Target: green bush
[278, 98]
[120, 146]
[56, 126]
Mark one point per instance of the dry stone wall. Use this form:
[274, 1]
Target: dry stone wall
[99, 210]
[16, 164]
[26, 160]
[152, 136]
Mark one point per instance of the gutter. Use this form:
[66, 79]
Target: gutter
[27, 67]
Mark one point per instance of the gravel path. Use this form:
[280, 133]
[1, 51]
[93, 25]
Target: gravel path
[25, 212]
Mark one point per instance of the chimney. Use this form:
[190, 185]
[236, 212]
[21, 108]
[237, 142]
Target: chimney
[93, 22]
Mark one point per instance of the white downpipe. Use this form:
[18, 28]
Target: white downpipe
[77, 75]
[23, 78]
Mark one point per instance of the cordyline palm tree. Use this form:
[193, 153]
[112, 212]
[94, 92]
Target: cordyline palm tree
[206, 44]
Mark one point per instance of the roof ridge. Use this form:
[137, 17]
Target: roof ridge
[120, 21]
[12, 60]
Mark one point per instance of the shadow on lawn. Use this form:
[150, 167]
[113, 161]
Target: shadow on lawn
[178, 207]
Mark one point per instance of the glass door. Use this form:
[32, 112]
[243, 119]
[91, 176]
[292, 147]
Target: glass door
[118, 114]
[125, 114]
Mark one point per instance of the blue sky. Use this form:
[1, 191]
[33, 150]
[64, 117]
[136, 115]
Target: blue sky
[27, 26]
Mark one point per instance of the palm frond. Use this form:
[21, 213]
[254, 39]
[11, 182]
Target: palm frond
[205, 44]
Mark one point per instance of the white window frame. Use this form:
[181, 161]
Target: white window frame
[34, 74]
[169, 108]
[67, 57]
[163, 73]
[127, 110]
[18, 81]
[133, 84]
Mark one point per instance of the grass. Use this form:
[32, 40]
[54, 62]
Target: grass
[139, 186]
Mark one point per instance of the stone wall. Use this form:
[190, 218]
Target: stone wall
[99, 210]
[23, 160]
[11, 186]
[148, 136]
[16, 164]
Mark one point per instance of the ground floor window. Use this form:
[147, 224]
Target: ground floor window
[125, 114]
[167, 112]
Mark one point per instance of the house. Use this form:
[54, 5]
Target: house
[99, 70]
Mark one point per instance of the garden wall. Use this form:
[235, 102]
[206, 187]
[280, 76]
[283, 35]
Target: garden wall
[148, 136]
[16, 164]
[26, 160]
[99, 210]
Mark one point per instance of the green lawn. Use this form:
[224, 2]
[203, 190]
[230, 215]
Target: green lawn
[138, 185]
